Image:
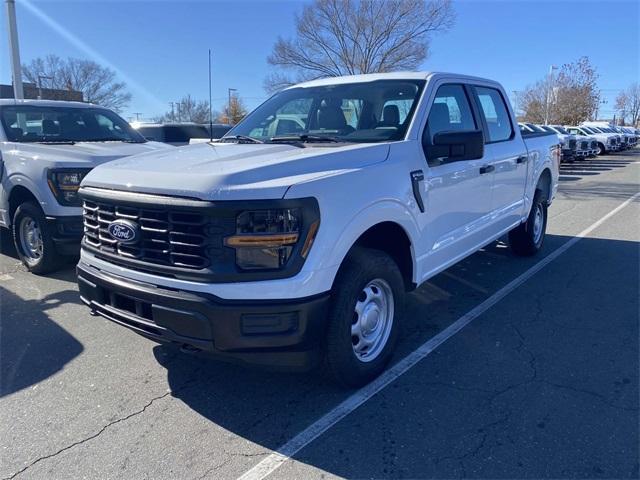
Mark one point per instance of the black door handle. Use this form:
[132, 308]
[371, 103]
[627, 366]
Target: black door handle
[522, 159]
[416, 177]
[487, 169]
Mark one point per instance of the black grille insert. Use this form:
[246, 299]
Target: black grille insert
[173, 238]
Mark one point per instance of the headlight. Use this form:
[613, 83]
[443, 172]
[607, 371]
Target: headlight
[64, 183]
[267, 239]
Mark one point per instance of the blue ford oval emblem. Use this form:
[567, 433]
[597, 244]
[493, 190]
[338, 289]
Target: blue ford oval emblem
[124, 231]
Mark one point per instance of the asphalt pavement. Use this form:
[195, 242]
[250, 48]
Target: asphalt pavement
[543, 384]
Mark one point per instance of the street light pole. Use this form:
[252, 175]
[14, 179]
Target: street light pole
[549, 93]
[229, 90]
[16, 69]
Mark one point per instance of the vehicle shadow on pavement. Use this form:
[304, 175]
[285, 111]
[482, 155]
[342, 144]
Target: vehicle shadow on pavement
[32, 347]
[530, 389]
[571, 172]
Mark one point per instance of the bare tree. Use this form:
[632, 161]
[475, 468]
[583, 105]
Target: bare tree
[347, 37]
[573, 95]
[233, 112]
[628, 104]
[97, 83]
[578, 93]
[187, 110]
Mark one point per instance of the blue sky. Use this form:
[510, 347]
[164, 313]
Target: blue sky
[160, 47]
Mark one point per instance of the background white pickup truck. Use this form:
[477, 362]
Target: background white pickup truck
[286, 249]
[46, 148]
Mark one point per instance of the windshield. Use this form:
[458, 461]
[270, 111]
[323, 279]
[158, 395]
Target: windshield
[547, 128]
[592, 129]
[32, 123]
[561, 130]
[355, 112]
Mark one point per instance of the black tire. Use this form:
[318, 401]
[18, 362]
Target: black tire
[49, 260]
[601, 149]
[362, 269]
[525, 240]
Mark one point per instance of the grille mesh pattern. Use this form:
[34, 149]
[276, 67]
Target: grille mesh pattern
[174, 238]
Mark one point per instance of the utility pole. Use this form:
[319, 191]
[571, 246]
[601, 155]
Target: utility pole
[16, 69]
[549, 94]
[137, 114]
[210, 107]
[173, 113]
[229, 104]
[515, 103]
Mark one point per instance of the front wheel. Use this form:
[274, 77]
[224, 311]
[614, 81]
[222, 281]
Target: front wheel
[527, 238]
[601, 149]
[367, 305]
[33, 240]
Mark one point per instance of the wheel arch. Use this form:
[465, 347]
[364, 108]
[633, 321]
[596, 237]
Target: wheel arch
[544, 183]
[19, 195]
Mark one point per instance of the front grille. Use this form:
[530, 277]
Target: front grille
[173, 238]
[572, 144]
[594, 144]
[584, 145]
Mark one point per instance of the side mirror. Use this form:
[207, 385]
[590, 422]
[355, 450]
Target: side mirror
[456, 146]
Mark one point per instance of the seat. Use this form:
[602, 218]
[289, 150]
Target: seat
[49, 127]
[390, 117]
[331, 116]
[439, 119]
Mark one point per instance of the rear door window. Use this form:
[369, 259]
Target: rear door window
[495, 113]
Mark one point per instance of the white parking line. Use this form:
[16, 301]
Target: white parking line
[269, 464]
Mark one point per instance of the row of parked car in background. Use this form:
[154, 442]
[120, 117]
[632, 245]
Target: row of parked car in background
[588, 139]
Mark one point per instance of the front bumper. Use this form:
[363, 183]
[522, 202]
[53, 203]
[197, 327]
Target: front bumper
[66, 234]
[568, 154]
[280, 334]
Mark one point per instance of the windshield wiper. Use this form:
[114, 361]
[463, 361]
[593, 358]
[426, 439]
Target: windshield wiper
[305, 137]
[112, 139]
[57, 142]
[241, 138]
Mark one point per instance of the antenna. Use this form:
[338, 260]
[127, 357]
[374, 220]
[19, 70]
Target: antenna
[210, 111]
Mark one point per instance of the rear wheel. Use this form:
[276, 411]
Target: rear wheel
[527, 238]
[33, 240]
[367, 305]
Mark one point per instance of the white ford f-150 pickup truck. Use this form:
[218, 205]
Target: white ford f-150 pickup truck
[46, 148]
[291, 246]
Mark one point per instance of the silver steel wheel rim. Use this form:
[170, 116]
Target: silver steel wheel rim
[372, 320]
[31, 239]
[537, 224]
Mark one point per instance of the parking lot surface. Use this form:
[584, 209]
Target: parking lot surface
[543, 384]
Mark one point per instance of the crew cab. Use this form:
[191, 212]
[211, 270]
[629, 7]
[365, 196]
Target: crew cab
[300, 247]
[46, 148]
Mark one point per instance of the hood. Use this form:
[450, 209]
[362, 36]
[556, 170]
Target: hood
[228, 171]
[84, 154]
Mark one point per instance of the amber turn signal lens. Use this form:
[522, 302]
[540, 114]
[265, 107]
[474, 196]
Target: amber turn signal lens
[261, 241]
[311, 236]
